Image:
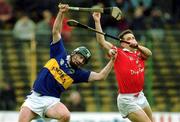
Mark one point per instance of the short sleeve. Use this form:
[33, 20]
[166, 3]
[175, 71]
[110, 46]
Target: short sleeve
[82, 76]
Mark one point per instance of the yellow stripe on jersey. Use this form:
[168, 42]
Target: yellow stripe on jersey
[54, 68]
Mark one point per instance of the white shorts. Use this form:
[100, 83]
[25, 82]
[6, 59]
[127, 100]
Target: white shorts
[40, 104]
[128, 103]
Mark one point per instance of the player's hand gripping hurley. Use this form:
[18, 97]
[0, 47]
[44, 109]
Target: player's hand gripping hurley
[115, 12]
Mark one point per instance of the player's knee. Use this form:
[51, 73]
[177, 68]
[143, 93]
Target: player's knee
[66, 116]
[20, 119]
[23, 119]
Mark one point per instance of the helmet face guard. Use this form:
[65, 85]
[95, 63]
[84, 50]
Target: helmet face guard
[84, 52]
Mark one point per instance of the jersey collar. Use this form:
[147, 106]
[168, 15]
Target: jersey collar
[127, 50]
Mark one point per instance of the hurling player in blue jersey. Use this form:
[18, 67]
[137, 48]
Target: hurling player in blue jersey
[59, 73]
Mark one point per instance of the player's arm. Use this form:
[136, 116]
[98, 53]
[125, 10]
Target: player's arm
[102, 75]
[100, 38]
[57, 27]
[145, 52]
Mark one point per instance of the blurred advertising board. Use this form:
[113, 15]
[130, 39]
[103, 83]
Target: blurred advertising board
[95, 117]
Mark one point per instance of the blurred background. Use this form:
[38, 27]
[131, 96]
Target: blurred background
[25, 32]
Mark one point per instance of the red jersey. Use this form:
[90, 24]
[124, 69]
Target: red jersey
[129, 70]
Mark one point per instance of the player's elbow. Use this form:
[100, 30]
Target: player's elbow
[148, 54]
[97, 76]
[102, 76]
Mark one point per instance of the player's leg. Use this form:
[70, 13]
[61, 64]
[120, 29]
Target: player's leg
[143, 103]
[131, 106]
[26, 115]
[59, 112]
[148, 112]
[138, 116]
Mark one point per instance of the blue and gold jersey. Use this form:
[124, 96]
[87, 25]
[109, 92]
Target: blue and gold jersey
[57, 75]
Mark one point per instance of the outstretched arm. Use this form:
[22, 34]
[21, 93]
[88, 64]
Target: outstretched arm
[145, 52]
[57, 27]
[102, 75]
[100, 38]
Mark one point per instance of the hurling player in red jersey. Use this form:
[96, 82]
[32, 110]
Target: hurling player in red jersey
[129, 71]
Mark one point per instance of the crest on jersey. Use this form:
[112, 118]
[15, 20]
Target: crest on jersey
[61, 61]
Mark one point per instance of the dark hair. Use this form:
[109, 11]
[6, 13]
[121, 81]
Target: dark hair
[124, 33]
